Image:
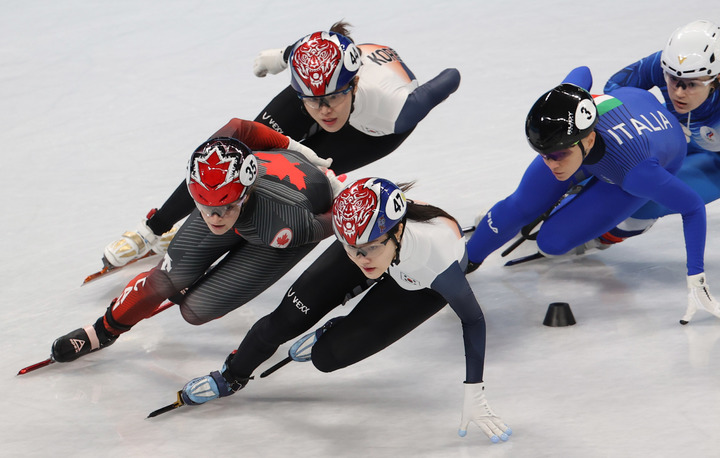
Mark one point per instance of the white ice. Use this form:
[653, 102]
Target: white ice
[102, 103]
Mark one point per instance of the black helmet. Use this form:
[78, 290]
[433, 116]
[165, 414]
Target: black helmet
[560, 118]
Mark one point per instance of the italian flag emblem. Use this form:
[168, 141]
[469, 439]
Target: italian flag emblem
[605, 103]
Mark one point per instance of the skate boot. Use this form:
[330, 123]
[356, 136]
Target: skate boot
[592, 246]
[216, 385]
[631, 227]
[136, 244]
[472, 267]
[82, 341]
[601, 243]
[301, 350]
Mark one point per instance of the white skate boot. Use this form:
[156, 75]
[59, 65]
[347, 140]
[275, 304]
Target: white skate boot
[137, 244]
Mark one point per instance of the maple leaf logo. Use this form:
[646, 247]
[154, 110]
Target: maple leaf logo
[279, 166]
[214, 170]
[282, 239]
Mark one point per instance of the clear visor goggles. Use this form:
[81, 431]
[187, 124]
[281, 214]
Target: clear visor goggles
[367, 251]
[221, 210]
[330, 100]
[689, 85]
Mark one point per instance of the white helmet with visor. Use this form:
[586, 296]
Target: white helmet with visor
[693, 51]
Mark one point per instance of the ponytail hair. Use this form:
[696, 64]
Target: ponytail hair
[423, 212]
[343, 28]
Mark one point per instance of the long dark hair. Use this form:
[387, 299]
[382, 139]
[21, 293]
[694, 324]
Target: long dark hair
[415, 212]
[343, 28]
[423, 212]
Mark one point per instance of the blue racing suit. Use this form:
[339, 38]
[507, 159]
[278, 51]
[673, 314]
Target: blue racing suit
[701, 169]
[639, 148]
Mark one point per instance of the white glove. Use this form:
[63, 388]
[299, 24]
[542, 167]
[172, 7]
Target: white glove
[309, 154]
[699, 297]
[269, 61]
[477, 410]
[336, 182]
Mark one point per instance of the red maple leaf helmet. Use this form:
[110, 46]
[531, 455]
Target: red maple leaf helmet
[221, 171]
[367, 209]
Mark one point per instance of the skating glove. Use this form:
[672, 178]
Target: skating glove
[699, 297]
[309, 154]
[269, 61]
[336, 182]
[477, 410]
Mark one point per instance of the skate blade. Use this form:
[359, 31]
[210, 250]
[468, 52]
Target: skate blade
[36, 366]
[109, 268]
[169, 407]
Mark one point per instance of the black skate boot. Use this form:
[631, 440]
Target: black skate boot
[82, 341]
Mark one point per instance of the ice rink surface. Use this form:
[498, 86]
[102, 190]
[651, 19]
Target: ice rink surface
[102, 103]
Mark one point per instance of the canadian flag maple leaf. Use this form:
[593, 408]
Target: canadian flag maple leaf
[213, 170]
[279, 166]
[282, 238]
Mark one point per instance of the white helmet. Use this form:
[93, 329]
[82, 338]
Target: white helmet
[693, 51]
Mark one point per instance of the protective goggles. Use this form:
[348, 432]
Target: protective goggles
[559, 155]
[689, 85]
[367, 251]
[221, 210]
[330, 100]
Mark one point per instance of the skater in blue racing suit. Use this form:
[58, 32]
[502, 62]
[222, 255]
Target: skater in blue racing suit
[630, 146]
[686, 73]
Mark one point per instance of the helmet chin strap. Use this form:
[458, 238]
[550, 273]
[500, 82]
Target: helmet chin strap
[396, 240]
[352, 101]
[582, 149]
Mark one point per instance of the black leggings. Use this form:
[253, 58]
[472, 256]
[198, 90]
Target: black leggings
[384, 315]
[246, 270]
[349, 148]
